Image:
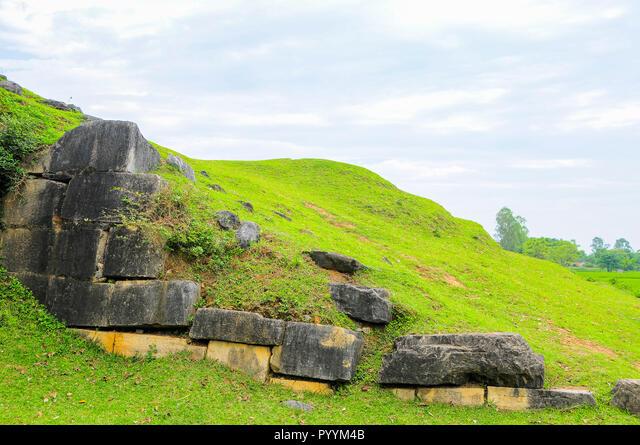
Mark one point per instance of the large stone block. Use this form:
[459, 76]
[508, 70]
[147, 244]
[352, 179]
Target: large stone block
[298, 385]
[35, 204]
[236, 326]
[103, 197]
[131, 345]
[104, 339]
[404, 394]
[516, 399]
[103, 146]
[76, 252]
[130, 253]
[79, 303]
[152, 303]
[362, 303]
[456, 396]
[626, 395]
[499, 359]
[336, 261]
[25, 250]
[251, 359]
[318, 352]
[36, 283]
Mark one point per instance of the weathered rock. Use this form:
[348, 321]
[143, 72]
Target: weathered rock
[75, 252]
[295, 404]
[247, 234]
[79, 303]
[103, 146]
[217, 188]
[131, 345]
[204, 173]
[181, 165]
[335, 261]
[36, 283]
[152, 303]
[404, 394]
[456, 396]
[104, 196]
[25, 250]
[303, 385]
[318, 352]
[250, 359]
[11, 86]
[362, 303]
[236, 326]
[227, 220]
[35, 204]
[61, 105]
[130, 253]
[247, 205]
[626, 395]
[515, 399]
[282, 215]
[499, 359]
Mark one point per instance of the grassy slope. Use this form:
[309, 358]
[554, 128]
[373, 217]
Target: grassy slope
[627, 281]
[446, 275]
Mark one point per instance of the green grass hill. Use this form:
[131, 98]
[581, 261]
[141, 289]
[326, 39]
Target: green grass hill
[445, 275]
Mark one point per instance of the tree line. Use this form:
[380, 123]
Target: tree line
[513, 234]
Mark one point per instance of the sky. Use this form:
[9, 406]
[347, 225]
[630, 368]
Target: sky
[533, 105]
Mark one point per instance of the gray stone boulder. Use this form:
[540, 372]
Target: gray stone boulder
[626, 395]
[295, 404]
[318, 352]
[336, 261]
[247, 206]
[247, 234]
[227, 220]
[103, 146]
[11, 86]
[35, 204]
[153, 303]
[79, 303]
[61, 105]
[75, 252]
[102, 196]
[367, 304]
[25, 250]
[131, 253]
[236, 326]
[217, 188]
[181, 165]
[498, 359]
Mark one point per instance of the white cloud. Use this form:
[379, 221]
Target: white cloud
[551, 164]
[604, 117]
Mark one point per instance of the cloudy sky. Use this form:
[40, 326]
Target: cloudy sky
[477, 105]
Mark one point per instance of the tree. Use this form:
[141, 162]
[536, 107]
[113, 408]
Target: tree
[551, 249]
[623, 244]
[511, 231]
[609, 259]
[597, 245]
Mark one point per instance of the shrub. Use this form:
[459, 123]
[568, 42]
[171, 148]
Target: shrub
[17, 143]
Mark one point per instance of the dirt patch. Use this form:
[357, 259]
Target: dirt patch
[337, 277]
[434, 274]
[329, 217]
[582, 345]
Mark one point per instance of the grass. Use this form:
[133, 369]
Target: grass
[626, 281]
[445, 275]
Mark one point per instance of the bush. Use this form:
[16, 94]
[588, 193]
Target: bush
[208, 247]
[17, 143]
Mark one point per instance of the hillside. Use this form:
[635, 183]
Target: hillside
[445, 275]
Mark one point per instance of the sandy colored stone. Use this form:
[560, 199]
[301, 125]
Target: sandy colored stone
[457, 396]
[404, 394]
[517, 399]
[251, 359]
[104, 339]
[303, 385]
[130, 344]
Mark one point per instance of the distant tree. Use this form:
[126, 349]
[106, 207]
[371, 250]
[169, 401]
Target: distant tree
[609, 259]
[598, 244]
[551, 249]
[623, 244]
[511, 230]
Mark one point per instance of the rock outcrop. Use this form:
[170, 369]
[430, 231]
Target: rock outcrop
[248, 233]
[498, 359]
[62, 105]
[626, 395]
[181, 165]
[367, 304]
[335, 261]
[227, 220]
[11, 86]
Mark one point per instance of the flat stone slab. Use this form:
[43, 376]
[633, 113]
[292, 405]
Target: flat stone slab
[318, 352]
[250, 359]
[626, 395]
[131, 345]
[35, 204]
[455, 396]
[516, 399]
[236, 326]
[103, 146]
[104, 339]
[362, 303]
[498, 359]
[336, 261]
[298, 385]
[101, 197]
[75, 252]
[25, 250]
[131, 253]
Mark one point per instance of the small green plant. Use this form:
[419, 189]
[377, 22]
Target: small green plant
[17, 144]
